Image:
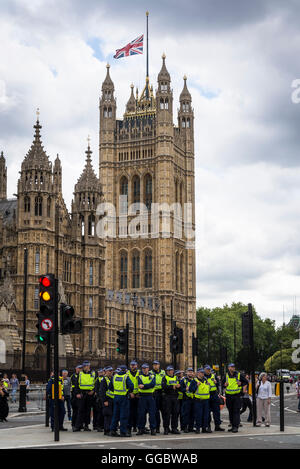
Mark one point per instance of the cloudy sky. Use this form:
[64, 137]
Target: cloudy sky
[240, 58]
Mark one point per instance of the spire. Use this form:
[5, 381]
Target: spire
[88, 180]
[163, 74]
[130, 107]
[36, 156]
[3, 178]
[57, 175]
[108, 83]
[185, 94]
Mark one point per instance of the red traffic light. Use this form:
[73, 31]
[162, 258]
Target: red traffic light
[45, 281]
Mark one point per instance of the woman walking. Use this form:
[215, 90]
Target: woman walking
[264, 394]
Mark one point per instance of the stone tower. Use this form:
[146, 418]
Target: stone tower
[147, 174]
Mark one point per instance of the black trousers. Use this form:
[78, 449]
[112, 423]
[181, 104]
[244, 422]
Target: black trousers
[233, 404]
[133, 412]
[84, 410]
[246, 403]
[107, 412]
[74, 404]
[170, 411]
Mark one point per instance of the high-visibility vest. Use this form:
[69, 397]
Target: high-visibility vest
[233, 388]
[120, 386]
[203, 388]
[86, 381]
[212, 383]
[134, 379]
[187, 383]
[171, 380]
[5, 383]
[146, 379]
[158, 378]
[108, 393]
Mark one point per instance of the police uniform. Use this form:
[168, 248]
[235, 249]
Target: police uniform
[120, 385]
[200, 387]
[85, 386]
[61, 404]
[159, 374]
[134, 401]
[107, 399]
[214, 404]
[187, 404]
[146, 401]
[233, 396]
[170, 404]
[74, 399]
[97, 404]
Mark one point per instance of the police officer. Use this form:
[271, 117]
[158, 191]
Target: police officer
[97, 404]
[120, 385]
[233, 383]
[61, 404]
[187, 401]
[180, 374]
[133, 374]
[170, 404]
[74, 399]
[107, 398]
[84, 391]
[200, 387]
[214, 404]
[146, 385]
[159, 374]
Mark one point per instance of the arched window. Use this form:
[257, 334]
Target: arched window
[124, 192]
[166, 103]
[90, 306]
[123, 269]
[183, 123]
[181, 273]
[135, 189]
[188, 122]
[26, 204]
[91, 225]
[176, 271]
[38, 210]
[148, 269]
[135, 269]
[148, 191]
[105, 113]
[48, 207]
[37, 262]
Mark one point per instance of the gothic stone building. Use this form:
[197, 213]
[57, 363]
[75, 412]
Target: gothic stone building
[144, 161]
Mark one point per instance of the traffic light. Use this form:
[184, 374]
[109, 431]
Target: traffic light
[176, 341]
[195, 346]
[122, 341]
[45, 324]
[69, 324]
[246, 329]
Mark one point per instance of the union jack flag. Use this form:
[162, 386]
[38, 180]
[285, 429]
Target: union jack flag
[133, 48]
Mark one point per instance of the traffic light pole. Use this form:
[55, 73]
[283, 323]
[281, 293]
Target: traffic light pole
[22, 402]
[56, 366]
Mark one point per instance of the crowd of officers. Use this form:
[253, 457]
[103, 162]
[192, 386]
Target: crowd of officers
[122, 399]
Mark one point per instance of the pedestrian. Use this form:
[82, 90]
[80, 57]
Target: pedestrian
[298, 392]
[120, 385]
[67, 392]
[180, 374]
[96, 403]
[264, 394]
[246, 401]
[27, 384]
[170, 404]
[188, 416]
[233, 383]
[146, 385]
[84, 392]
[4, 408]
[200, 387]
[214, 400]
[14, 386]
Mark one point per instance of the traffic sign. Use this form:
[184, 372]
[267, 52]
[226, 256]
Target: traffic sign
[47, 324]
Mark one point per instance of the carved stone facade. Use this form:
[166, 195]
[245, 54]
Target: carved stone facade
[145, 159]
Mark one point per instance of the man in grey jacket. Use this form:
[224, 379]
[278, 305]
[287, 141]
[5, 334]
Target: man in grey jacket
[67, 392]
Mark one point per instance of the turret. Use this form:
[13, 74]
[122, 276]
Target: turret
[164, 101]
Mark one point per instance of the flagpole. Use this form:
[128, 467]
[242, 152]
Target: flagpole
[147, 54]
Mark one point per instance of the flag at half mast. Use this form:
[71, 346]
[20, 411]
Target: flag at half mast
[133, 48]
